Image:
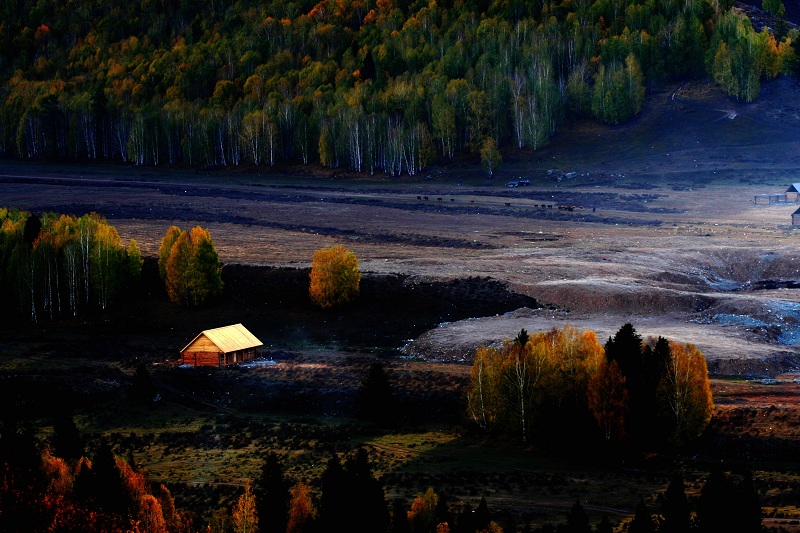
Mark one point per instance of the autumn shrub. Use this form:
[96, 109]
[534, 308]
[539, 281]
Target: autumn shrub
[335, 279]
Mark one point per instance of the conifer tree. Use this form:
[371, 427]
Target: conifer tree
[66, 440]
[578, 520]
[642, 520]
[272, 494]
[675, 507]
[375, 397]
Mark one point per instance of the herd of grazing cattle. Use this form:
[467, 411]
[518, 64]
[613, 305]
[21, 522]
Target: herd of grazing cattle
[543, 206]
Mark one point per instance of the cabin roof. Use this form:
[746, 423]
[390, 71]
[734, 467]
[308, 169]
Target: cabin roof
[229, 338]
[794, 187]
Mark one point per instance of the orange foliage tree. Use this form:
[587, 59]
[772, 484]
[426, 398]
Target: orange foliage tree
[301, 510]
[245, 519]
[164, 250]
[335, 278]
[422, 516]
[107, 495]
[608, 400]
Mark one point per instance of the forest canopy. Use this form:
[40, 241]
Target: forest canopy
[364, 85]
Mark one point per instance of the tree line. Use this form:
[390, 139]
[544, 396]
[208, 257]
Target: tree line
[57, 266]
[59, 487]
[562, 385]
[370, 86]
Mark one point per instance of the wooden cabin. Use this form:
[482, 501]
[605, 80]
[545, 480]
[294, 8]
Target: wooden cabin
[793, 193]
[796, 217]
[222, 346]
[774, 198]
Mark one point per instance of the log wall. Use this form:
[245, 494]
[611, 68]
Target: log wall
[201, 358]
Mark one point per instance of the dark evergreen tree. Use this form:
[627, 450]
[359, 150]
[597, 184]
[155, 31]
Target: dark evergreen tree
[604, 526]
[466, 520]
[747, 505]
[675, 507]
[20, 475]
[577, 520]
[106, 488]
[642, 520]
[399, 523]
[443, 509]
[728, 506]
[142, 389]
[334, 513]
[367, 70]
[375, 400]
[522, 338]
[32, 228]
[272, 494]
[646, 410]
[714, 505]
[482, 515]
[626, 349]
[66, 439]
[373, 511]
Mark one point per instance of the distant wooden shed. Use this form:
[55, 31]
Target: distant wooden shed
[774, 198]
[793, 192]
[796, 217]
[222, 346]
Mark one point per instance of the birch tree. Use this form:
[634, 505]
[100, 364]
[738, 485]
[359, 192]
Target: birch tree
[245, 519]
[686, 392]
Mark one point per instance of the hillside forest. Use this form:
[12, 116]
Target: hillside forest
[366, 86]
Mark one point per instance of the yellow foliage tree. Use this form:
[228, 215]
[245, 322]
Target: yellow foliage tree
[166, 247]
[485, 382]
[686, 392]
[422, 515]
[192, 268]
[335, 279]
[509, 385]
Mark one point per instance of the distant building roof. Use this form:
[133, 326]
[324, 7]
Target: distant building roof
[794, 187]
[229, 338]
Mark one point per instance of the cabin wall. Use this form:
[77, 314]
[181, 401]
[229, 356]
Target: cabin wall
[196, 358]
[202, 344]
